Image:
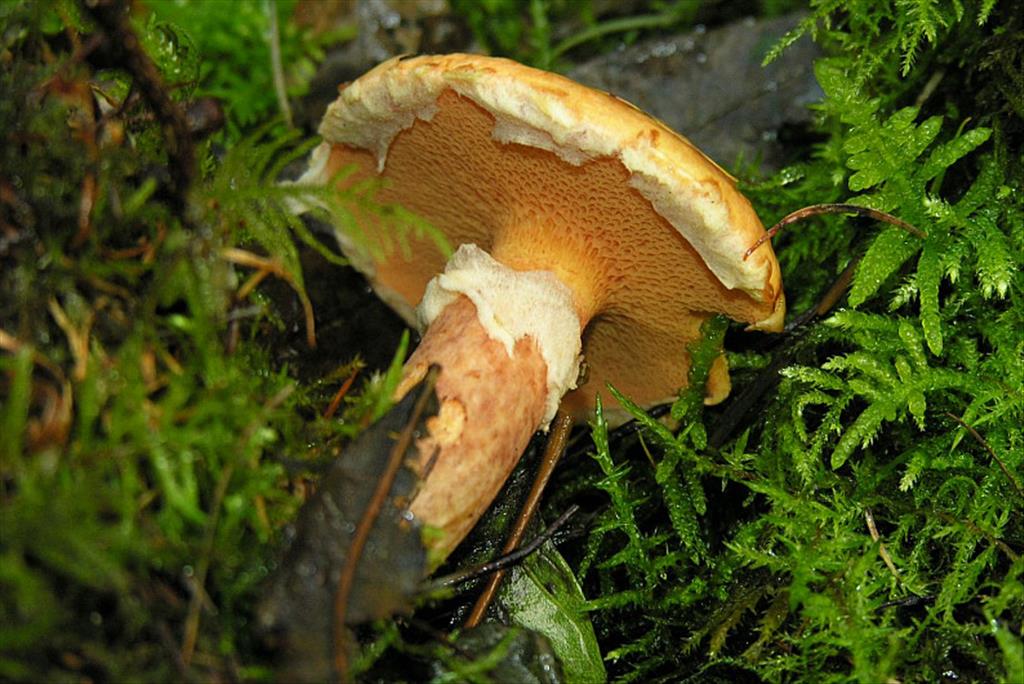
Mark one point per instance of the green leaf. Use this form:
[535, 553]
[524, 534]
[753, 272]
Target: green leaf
[842, 92]
[616, 486]
[542, 594]
[995, 262]
[945, 155]
[684, 501]
[703, 354]
[656, 429]
[887, 253]
[911, 342]
[1012, 648]
[929, 274]
[862, 431]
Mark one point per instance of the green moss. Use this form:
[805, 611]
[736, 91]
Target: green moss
[850, 528]
[856, 531]
[142, 481]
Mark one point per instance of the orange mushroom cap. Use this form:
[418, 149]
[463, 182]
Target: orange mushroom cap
[545, 174]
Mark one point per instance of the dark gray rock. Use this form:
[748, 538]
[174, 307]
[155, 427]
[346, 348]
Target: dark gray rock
[710, 86]
[296, 614]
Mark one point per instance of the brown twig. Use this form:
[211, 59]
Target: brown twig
[113, 19]
[86, 203]
[829, 299]
[332, 408]
[745, 401]
[78, 339]
[128, 252]
[559, 437]
[992, 452]
[819, 209]
[740, 405]
[12, 344]
[979, 530]
[347, 575]
[504, 561]
[275, 267]
[877, 538]
[251, 284]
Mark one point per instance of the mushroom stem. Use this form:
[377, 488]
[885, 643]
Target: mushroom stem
[491, 404]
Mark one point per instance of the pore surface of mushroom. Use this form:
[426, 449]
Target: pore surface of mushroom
[581, 226]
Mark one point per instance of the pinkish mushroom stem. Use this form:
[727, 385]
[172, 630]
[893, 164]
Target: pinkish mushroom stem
[500, 382]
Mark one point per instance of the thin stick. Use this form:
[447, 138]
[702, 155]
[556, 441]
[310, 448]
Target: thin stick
[818, 209]
[502, 562]
[12, 344]
[978, 529]
[380, 494]
[332, 408]
[192, 617]
[992, 452]
[908, 601]
[191, 631]
[251, 284]
[835, 292]
[275, 63]
[113, 18]
[877, 538]
[621, 25]
[829, 299]
[559, 437]
[78, 340]
[274, 266]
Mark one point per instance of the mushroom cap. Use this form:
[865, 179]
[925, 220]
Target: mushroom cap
[546, 174]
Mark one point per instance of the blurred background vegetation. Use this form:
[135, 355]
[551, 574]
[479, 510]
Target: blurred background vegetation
[855, 514]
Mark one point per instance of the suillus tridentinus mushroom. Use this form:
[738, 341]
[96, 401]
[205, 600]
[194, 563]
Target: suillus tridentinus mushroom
[582, 228]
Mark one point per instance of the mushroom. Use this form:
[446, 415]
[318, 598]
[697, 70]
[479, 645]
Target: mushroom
[582, 228]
